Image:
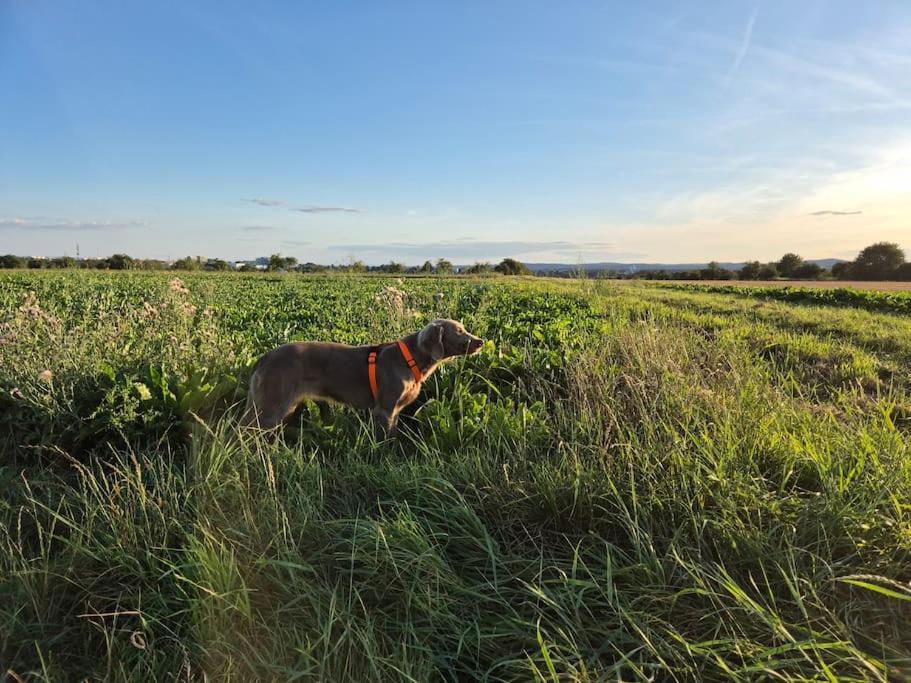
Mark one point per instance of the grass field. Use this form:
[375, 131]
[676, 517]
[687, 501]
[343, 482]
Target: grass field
[630, 481]
[889, 286]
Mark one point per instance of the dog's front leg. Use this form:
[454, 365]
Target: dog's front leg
[386, 420]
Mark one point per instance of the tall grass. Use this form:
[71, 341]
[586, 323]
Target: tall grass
[618, 487]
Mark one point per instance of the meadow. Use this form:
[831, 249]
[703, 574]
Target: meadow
[630, 481]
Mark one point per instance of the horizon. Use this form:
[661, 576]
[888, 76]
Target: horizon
[714, 132]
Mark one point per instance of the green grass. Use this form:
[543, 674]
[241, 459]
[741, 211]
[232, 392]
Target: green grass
[628, 482]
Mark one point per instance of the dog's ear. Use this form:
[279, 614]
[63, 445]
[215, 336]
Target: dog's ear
[431, 340]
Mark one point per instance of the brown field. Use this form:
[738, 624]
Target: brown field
[815, 284]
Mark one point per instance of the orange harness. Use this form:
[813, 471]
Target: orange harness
[406, 354]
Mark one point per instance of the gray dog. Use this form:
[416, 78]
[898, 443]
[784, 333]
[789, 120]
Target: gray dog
[382, 379]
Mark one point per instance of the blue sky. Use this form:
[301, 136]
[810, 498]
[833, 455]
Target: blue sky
[653, 131]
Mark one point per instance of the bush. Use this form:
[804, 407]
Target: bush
[510, 266]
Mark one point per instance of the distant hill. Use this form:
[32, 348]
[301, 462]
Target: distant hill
[637, 267]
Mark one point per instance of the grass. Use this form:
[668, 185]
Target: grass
[629, 482]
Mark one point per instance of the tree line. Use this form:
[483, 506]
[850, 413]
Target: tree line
[275, 263]
[880, 261]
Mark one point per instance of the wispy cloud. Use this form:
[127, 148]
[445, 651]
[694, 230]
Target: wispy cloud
[54, 224]
[308, 208]
[326, 209]
[295, 243]
[835, 213]
[744, 45]
[259, 228]
[266, 202]
[469, 248]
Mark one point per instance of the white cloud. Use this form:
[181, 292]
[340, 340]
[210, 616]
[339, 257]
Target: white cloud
[54, 224]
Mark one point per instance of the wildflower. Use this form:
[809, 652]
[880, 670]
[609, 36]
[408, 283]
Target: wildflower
[176, 285]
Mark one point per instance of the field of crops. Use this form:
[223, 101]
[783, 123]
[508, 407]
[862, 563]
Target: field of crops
[630, 481]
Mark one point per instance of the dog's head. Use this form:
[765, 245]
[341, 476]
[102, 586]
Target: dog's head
[446, 338]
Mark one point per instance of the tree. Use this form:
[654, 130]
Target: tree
[842, 270]
[427, 267]
[120, 262]
[750, 270]
[788, 264]
[479, 268]
[393, 267]
[217, 264]
[276, 262]
[186, 263]
[36, 263]
[903, 272]
[510, 266]
[444, 267]
[878, 261]
[290, 262]
[13, 261]
[63, 262]
[357, 267]
[769, 271]
[807, 271]
[714, 271]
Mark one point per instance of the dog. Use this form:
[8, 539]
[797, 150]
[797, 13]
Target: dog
[382, 379]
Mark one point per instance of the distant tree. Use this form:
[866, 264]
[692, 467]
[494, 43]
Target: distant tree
[903, 272]
[276, 262]
[842, 270]
[186, 263]
[510, 266]
[444, 267]
[120, 262]
[13, 261]
[808, 271]
[36, 263]
[427, 267]
[788, 264]
[217, 264]
[63, 262]
[878, 261]
[750, 270]
[479, 268]
[714, 271]
[769, 271]
[290, 262]
[357, 267]
[393, 267]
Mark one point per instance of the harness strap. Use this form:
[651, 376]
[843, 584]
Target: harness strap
[371, 373]
[415, 370]
[406, 354]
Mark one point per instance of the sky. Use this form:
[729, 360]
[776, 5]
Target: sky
[569, 132]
